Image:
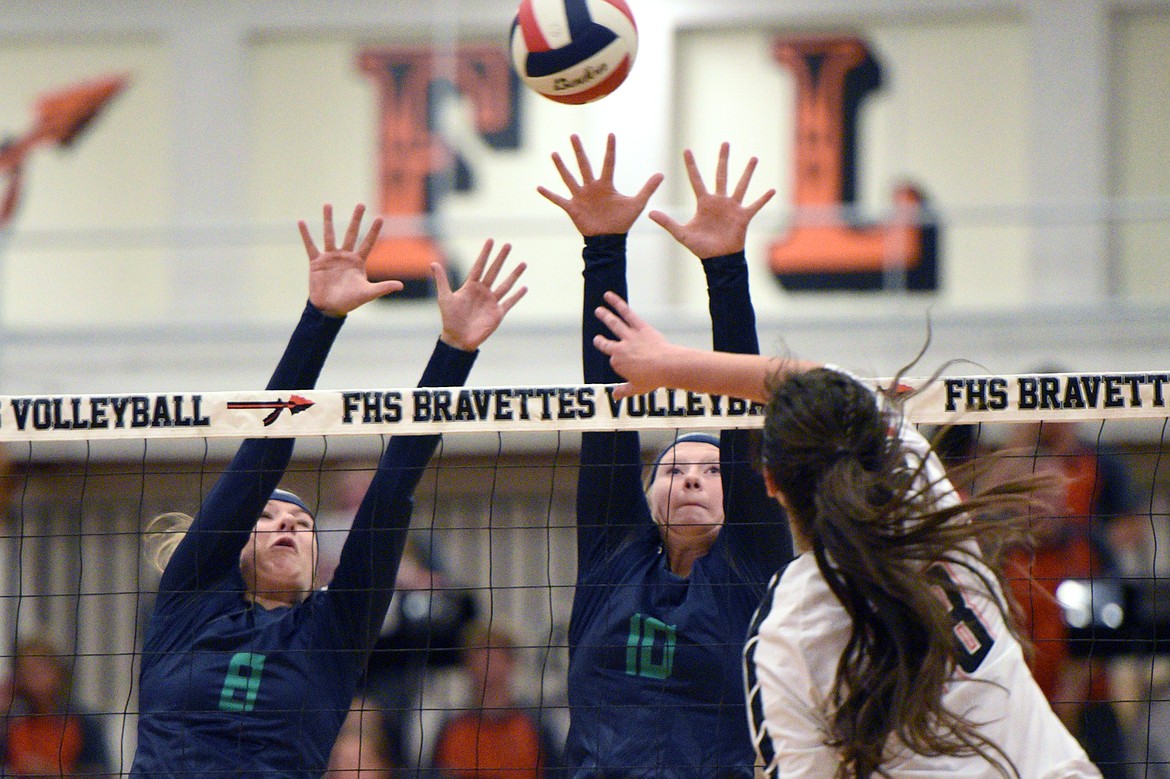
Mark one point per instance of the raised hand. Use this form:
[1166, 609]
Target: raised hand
[594, 205]
[719, 225]
[337, 276]
[638, 352]
[474, 311]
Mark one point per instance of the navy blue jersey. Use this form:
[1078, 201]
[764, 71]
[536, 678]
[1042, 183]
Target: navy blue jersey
[233, 689]
[655, 660]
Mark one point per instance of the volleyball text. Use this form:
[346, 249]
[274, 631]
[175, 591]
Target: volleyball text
[96, 412]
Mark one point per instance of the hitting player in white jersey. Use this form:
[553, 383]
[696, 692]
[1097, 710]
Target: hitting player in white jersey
[885, 647]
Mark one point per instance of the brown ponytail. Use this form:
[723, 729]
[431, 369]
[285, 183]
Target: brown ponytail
[877, 529]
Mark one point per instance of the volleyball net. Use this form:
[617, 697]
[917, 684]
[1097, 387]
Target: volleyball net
[493, 541]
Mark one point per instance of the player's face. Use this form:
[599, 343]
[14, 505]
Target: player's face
[686, 496]
[278, 560]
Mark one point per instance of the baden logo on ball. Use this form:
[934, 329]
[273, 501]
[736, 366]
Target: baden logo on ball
[573, 51]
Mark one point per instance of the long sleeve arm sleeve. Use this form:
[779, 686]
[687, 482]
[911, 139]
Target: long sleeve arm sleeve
[757, 525]
[211, 547]
[609, 486]
[364, 582]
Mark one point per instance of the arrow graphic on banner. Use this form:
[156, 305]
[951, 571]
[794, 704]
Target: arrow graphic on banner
[295, 405]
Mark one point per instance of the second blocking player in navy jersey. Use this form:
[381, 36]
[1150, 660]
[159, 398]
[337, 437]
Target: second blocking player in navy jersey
[246, 671]
[667, 581]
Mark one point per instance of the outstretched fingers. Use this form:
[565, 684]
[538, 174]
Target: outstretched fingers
[610, 160]
[693, 174]
[554, 198]
[721, 169]
[745, 179]
[570, 181]
[647, 190]
[381, 288]
[763, 199]
[494, 269]
[371, 238]
[472, 312]
[566, 174]
[330, 243]
[307, 239]
[668, 223]
[338, 282]
[476, 270]
[582, 158]
[355, 226]
[442, 284]
[505, 287]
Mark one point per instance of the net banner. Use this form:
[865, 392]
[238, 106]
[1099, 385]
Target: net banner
[263, 414]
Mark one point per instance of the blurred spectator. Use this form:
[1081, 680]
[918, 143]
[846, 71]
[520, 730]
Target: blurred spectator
[1141, 682]
[334, 520]
[423, 626]
[428, 614]
[362, 750]
[496, 738]
[47, 733]
[421, 635]
[1090, 492]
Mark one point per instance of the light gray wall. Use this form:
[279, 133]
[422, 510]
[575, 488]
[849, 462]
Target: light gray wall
[160, 253]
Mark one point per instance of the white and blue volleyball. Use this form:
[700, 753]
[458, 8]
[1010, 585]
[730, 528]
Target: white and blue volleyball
[574, 51]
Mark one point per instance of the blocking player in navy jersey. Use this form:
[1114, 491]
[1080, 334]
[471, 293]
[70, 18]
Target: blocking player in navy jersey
[886, 647]
[246, 670]
[667, 580]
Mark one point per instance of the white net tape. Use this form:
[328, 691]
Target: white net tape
[1064, 397]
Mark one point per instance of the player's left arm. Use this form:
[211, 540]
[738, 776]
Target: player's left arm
[610, 500]
[787, 729]
[337, 285]
[363, 584]
[717, 233]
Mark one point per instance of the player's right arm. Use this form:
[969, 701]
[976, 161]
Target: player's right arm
[337, 285]
[717, 233]
[609, 483]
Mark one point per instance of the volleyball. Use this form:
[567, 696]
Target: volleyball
[574, 51]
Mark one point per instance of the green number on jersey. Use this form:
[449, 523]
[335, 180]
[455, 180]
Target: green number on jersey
[242, 682]
[645, 632]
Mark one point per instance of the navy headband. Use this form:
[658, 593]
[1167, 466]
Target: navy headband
[284, 496]
[698, 438]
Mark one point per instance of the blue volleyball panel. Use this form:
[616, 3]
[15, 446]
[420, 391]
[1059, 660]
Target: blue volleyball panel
[588, 38]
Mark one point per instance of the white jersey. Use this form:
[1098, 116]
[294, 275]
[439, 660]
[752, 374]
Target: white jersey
[801, 631]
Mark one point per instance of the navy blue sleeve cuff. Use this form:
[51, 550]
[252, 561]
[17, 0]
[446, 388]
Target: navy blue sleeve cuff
[307, 348]
[448, 366]
[725, 268]
[600, 249]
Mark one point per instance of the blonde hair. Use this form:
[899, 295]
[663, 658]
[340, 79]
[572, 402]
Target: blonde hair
[163, 534]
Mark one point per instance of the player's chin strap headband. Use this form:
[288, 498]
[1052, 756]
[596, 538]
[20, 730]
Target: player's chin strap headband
[284, 496]
[699, 438]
